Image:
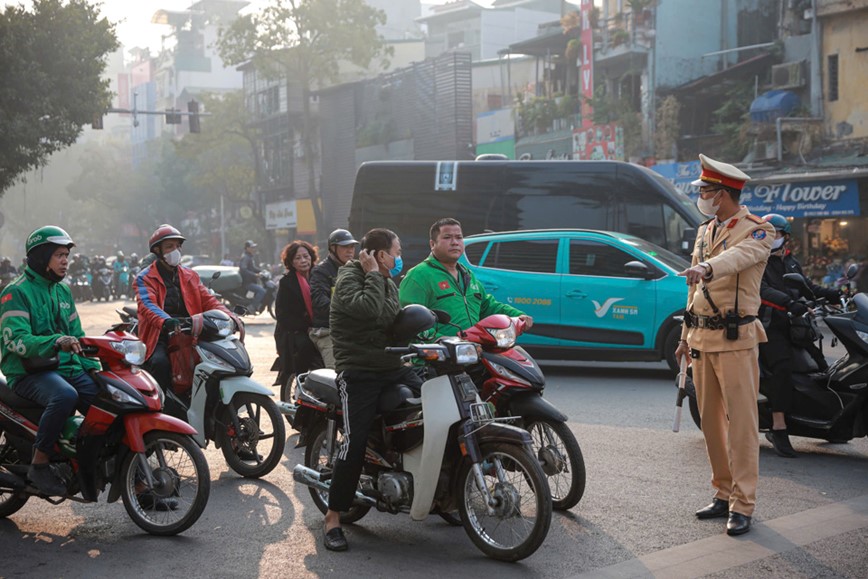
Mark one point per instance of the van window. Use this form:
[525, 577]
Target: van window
[596, 258]
[534, 256]
[473, 252]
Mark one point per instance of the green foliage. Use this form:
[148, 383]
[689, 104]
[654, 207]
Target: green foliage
[611, 110]
[667, 127]
[52, 60]
[732, 120]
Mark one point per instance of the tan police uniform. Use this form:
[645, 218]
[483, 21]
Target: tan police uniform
[726, 371]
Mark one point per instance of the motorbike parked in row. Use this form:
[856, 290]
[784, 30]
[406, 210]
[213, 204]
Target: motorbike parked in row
[513, 382]
[462, 458]
[225, 282]
[102, 284]
[828, 403]
[124, 441]
[212, 391]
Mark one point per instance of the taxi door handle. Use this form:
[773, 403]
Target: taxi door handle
[576, 294]
[489, 286]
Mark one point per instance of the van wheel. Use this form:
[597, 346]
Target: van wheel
[670, 343]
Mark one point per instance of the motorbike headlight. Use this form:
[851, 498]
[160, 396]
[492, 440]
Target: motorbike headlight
[466, 353]
[505, 337]
[505, 372]
[225, 327]
[135, 352]
[863, 336]
[122, 397]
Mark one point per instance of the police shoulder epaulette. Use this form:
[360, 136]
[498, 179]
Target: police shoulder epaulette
[754, 218]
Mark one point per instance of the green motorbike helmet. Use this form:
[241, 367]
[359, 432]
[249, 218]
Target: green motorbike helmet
[779, 222]
[48, 234]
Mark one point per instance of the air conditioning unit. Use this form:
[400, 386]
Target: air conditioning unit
[789, 74]
[765, 150]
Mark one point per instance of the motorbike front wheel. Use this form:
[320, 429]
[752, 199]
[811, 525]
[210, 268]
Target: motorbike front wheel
[255, 449]
[11, 501]
[316, 457]
[561, 459]
[182, 484]
[271, 311]
[522, 504]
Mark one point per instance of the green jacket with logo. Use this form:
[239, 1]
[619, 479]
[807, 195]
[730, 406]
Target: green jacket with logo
[363, 309]
[34, 313]
[464, 299]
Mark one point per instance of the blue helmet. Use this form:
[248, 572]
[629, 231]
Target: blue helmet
[779, 222]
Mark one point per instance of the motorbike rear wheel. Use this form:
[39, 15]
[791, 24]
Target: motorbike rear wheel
[11, 501]
[523, 503]
[179, 465]
[255, 433]
[271, 311]
[316, 457]
[561, 459]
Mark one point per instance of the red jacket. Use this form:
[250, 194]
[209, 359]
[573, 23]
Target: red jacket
[151, 296]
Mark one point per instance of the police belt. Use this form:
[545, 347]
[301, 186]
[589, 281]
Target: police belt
[712, 322]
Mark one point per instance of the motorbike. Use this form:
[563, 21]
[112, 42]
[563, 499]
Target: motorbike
[122, 281]
[462, 458]
[6, 279]
[828, 403]
[102, 284]
[212, 391]
[131, 282]
[80, 286]
[513, 382]
[124, 442]
[226, 283]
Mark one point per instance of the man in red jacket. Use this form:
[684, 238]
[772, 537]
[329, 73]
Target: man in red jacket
[165, 292]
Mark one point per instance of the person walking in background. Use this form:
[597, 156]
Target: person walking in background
[293, 309]
[721, 334]
[342, 248]
[227, 260]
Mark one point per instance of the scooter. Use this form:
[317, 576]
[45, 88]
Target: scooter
[124, 442]
[512, 381]
[122, 281]
[828, 404]
[463, 458]
[102, 284]
[212, 391]
[232, 291]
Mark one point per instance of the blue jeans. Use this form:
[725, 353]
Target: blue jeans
[60, 396]
[259, 293]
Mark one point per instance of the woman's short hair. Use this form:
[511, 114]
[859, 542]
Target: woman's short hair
[379, 239]
[288, 253]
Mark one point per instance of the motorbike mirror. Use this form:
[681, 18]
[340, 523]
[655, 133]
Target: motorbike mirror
[688, 238]
[852, 270]
[215, 275]
[239, 310]
[442, 317]
[797, 281]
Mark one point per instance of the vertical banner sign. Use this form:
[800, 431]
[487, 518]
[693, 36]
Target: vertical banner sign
[586, 69]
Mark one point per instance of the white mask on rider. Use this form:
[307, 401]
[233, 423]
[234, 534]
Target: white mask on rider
[173, 258]
[778, 243]
[707, 206]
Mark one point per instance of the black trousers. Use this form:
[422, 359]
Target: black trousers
[360, 392]
[159, 365]
[777, 357]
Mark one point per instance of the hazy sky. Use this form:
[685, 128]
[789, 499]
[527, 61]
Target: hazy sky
[133, 17]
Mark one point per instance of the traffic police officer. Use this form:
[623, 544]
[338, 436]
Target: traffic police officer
[721, 335]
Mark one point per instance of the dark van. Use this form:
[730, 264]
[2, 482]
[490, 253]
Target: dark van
[408, 196]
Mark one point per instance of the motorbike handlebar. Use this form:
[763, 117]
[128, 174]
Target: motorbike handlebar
[398, 350]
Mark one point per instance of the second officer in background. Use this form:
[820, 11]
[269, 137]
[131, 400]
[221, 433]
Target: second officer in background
[721, 335]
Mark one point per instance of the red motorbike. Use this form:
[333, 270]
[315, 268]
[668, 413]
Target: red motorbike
[124, 441]
[511, 380]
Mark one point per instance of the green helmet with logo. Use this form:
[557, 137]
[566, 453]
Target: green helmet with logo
[48, 234]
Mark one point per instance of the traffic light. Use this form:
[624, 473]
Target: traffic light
[193, 109]
[96, 123]
[172, 117]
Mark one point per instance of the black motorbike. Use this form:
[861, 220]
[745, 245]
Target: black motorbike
[101, 285]
[225, 282]
[828, 403]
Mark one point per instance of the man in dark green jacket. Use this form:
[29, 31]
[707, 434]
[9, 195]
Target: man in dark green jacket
[363, 309]
[440, 282]
[38, 321]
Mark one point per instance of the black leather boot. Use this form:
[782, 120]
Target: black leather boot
[781, 442]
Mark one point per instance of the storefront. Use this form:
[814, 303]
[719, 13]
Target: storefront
[824, 207]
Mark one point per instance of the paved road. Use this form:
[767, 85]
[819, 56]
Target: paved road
[644, 482]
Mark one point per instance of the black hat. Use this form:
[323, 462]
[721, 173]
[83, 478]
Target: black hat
[341, 237]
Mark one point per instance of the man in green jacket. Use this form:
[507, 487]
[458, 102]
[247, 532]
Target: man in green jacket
[38, 322]
[363, 309]
[440, 282]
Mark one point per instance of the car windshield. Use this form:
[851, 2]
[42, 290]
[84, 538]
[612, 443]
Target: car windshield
[665, 256]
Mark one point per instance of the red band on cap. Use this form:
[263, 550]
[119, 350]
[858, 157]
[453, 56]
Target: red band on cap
[710, 176]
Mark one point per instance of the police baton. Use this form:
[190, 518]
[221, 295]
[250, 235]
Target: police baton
[682, 393]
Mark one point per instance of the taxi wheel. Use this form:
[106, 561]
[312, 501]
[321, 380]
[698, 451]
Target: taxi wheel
[670, 343]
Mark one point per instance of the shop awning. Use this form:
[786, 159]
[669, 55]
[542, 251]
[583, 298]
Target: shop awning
[772, 105]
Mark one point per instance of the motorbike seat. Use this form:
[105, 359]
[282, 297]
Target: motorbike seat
[30, 409]
[395, 396]
[322, 384]
[131, 311]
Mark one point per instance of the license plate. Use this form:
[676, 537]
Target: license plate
[481, 412]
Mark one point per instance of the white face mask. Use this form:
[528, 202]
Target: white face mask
[173, 258]
[707, 206]
[778, 243]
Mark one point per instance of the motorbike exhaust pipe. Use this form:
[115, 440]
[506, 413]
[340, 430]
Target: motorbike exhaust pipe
[289, 410]
[309, 477]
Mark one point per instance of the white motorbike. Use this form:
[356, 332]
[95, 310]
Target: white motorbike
[463, 458]
[213, 392]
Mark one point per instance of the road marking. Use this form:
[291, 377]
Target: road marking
[766, 539]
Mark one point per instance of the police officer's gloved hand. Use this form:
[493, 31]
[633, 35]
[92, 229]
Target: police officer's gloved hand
[170, 325]
[797, 308]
